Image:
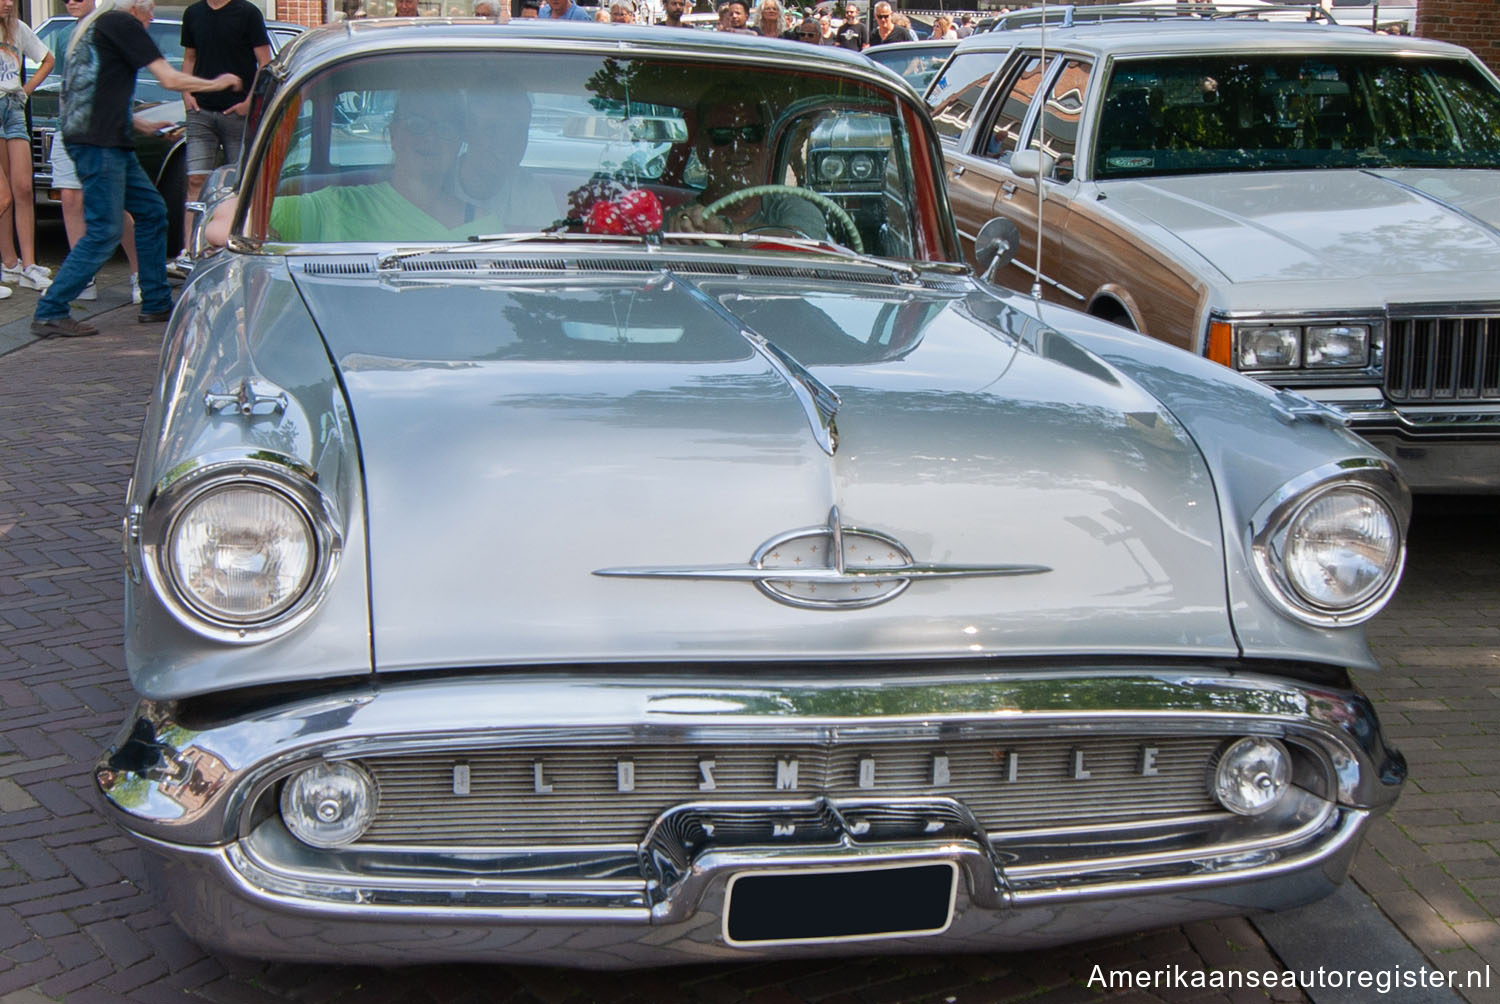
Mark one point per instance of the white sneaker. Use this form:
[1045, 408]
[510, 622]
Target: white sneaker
[35, 277]
[181, 266]
[5, 292]
[11, 274]
[135, 287]
[90, 292]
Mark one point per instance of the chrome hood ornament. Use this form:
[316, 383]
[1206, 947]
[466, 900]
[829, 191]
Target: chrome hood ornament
[831, 567]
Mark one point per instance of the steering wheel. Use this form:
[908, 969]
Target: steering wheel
[831, 209]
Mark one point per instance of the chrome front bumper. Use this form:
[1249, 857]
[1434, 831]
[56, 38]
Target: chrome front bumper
[1439, 448]
[197, 792]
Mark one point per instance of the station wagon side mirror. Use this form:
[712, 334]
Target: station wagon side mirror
[1032, 164]
[995, 246]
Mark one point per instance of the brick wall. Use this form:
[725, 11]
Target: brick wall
[308, 12]
[1471, 23]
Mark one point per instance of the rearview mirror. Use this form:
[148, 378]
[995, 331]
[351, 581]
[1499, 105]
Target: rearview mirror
[996, 246]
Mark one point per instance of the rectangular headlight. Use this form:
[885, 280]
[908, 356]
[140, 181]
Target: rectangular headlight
[1330, 345]
[1278, 348]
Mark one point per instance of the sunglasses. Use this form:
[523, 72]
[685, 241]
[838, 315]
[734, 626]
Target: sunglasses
[724, 135]
[427, 128]
[882, 17]
[810, 34]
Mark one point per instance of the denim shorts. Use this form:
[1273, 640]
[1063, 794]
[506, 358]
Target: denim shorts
[13, 117]
[207, 134]
[64, 174]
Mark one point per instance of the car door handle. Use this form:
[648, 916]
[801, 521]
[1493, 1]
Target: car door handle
[1009, 188]
[958, 172]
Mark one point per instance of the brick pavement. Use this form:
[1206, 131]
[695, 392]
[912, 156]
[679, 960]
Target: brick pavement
[1434, 864]
[76, 926]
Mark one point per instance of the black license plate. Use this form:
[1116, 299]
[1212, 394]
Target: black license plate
[839, 904]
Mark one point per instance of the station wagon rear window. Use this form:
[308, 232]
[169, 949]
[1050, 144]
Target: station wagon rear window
[1237, 113]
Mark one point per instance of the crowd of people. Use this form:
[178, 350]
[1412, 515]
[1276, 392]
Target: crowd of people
[109, 202]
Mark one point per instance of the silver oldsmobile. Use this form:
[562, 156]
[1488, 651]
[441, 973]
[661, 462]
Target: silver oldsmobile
[596, 599]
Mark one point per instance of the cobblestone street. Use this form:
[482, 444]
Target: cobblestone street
[76, 926]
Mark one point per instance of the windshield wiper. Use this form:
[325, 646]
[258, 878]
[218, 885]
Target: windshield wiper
[903, 271]
[493, 242]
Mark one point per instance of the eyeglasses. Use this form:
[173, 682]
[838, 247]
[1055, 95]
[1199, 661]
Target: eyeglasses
[448, 132]
[882, 17]
[724, 135]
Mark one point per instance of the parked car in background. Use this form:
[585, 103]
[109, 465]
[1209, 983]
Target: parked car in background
[665, 584]
[163, 157]
[916, 62]
[1310, 204]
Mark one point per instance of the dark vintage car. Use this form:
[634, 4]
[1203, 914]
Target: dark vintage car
[164, 157]
[533, 562]
[1308, 203]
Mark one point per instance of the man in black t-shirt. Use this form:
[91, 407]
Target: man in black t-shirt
[219, 36]
[104, 53]
[852, 34]
[886, 28]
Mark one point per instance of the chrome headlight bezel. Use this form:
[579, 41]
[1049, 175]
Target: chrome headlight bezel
[292, 483]
[1274, 520]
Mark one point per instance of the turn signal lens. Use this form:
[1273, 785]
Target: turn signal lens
[1252, 775]
[242, 553]
[1342, 549]
[329, 805]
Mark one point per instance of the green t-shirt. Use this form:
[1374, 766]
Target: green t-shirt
[363, 213]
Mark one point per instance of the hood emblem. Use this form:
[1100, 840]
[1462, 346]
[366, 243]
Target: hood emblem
[830, 567]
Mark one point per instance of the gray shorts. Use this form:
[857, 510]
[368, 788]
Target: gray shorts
[209, 133]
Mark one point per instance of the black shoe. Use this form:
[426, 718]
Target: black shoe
[153, 316]
[62, 327]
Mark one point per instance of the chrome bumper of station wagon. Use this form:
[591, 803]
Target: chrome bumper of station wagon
[1029, 809]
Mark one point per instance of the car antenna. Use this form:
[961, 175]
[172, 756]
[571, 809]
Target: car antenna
[1041, 142]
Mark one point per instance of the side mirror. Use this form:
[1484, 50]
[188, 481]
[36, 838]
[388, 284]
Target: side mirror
[218, 189]
[996, 246]
[1032, 164]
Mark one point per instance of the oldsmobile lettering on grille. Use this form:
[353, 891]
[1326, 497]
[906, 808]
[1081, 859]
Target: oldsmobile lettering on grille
[788, 778]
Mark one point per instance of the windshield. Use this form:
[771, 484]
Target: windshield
[385, 149]
[55, 32]
[1233, 113]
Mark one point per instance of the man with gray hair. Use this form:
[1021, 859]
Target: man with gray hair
[106, 49]
[487, 8]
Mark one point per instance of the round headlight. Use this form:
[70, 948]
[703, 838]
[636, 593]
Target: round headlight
[329, 804]
[1341, 549]
[242, 553]
[1252, 775]
[862, 166]
[833, 168]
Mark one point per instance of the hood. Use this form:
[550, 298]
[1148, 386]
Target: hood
[517, 441]
[1414, 234]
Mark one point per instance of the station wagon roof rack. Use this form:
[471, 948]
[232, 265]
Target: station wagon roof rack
[1073, 15]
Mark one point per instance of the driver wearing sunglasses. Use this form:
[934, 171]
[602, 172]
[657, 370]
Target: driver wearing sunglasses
[733, 145]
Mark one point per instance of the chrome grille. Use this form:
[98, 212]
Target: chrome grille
[503, 807]
[1444, 359]
[41, 151]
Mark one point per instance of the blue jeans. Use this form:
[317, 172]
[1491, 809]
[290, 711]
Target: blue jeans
[113, 183]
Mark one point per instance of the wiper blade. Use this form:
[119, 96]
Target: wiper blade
[903, 271]
[481, 243]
